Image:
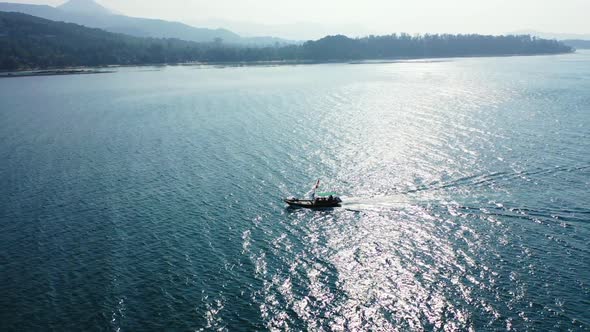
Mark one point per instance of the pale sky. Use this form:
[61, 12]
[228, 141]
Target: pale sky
[376, 16]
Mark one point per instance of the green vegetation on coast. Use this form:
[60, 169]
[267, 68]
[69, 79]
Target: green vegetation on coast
[29, 42]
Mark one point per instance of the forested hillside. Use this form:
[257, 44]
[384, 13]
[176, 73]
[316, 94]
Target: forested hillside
[29, 42]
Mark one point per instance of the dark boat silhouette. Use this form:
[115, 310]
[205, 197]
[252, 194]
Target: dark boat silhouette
[318, 202]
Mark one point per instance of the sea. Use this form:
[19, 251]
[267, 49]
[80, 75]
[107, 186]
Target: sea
[150, 198]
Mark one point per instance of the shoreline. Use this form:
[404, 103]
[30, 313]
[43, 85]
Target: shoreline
[108, 69]
[55, 72]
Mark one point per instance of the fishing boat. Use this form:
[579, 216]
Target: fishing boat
[319, 200]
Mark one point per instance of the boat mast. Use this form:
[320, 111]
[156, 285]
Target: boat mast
[317, 184]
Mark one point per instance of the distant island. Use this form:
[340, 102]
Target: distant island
[28, 42]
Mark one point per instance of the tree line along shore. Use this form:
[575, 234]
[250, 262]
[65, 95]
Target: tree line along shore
[29, 42]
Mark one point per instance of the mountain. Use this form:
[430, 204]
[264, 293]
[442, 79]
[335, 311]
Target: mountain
[85, 7]
[29, 42]
[48, 12]
[91, 14]
[292, 31]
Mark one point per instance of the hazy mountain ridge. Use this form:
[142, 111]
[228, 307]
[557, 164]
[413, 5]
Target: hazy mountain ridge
[292, 31]
[30, 42]
[84, 6]
[91, 14]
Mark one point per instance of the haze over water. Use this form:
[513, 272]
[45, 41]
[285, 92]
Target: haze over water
[150, 198]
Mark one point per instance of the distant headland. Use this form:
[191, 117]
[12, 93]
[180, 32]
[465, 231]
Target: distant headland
[28, 42]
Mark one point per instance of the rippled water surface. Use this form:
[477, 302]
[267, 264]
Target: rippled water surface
[150, 198]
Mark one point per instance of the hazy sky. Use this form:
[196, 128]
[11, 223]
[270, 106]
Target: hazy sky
[378, 16]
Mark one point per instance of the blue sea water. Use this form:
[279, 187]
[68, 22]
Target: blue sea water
[150, 198]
